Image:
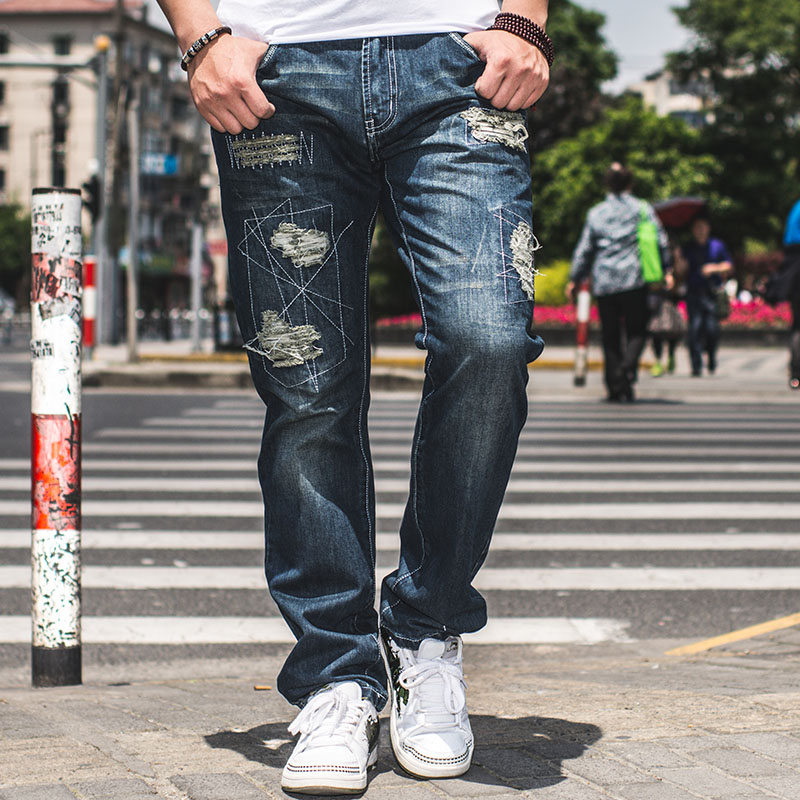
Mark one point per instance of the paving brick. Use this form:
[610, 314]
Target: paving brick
[648, 755]
[652, 791]
[124, 789]
[783, 786]
[20, 725]
[108, 718]
[564, 790]
[220, 786]
[706, 782]
[475, 783]
[775, 745]
[740, 762]
[605, 771]
[44, 791]
[510, 763]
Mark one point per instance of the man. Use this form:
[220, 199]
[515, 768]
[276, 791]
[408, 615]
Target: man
[704, 265]
[608, 252]
[791, 275]
[417, 110]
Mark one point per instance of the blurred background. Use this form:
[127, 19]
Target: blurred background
[701, 100]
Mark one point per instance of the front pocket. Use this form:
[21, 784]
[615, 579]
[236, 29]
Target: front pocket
[465, 45]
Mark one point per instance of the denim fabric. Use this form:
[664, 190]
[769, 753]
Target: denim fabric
[390, 123]
[704, 331]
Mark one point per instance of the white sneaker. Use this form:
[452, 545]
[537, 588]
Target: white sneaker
[430, 730]
[338, 743]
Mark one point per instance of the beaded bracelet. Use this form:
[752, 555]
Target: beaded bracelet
[200, 43]
[526, 29]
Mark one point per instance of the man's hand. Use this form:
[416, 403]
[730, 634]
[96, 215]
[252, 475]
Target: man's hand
[516, 73]
[222, 80]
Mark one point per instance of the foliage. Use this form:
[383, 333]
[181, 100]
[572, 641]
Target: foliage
[748, 54]
[583, 63]
[551, 282]
[665, 154]
[15, 251]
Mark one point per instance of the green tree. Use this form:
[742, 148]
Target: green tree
[583, 63]
[15, 251]
[747, 52]
[664, 153]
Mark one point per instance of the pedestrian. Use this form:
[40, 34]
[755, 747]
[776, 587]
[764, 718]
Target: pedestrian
[786, 286]
[608, 252]
[667, 325]
[704, 265]
[417, 110]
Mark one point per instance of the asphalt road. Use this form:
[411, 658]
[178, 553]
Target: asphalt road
[675, 521]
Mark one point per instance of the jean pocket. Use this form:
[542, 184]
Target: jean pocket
[267, 58]
[465, 46]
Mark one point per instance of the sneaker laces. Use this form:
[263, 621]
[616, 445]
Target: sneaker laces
[441, 690]
[330, 715]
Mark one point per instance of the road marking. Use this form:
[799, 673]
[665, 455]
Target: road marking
[240, 431]
[745, 469]
[583, 450]
[488, 579]
[390, 542]
[380, 421]
[246, 509]
[241, 630]
[691, 484]
[737, 636]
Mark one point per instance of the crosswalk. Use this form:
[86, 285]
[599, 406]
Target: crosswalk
[650, 521]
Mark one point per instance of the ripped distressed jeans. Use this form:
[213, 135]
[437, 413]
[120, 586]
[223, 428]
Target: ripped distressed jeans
[361, 125]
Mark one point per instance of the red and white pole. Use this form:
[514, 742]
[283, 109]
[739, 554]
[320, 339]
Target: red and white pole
[583, 312]
[56, 437]
[89, 304]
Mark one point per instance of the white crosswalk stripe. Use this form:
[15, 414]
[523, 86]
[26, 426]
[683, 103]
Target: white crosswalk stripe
[591, 467]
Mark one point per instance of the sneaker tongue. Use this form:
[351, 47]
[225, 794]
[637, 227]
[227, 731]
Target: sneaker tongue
[431, 648]
[350, 689]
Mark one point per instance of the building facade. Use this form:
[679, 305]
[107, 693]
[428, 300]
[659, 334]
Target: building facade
[51, 67]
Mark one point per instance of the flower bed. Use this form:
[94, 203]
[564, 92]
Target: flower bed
[755, 315]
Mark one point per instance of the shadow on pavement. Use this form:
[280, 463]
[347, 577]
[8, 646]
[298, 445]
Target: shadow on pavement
[526, 752]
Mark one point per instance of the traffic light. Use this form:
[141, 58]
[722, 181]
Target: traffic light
[91, 196]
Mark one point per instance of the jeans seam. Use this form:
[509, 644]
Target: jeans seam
[421, 301]
[393, 105]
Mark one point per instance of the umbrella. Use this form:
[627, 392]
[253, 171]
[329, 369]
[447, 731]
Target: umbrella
[678, 212]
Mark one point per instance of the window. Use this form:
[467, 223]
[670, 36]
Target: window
[4, 42]
[3, 137]
[2, 181]
[2, 93]
[62, 45]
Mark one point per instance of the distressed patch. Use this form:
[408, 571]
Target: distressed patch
[523, 246]
[266, 150]
[490, 125]
[304, 247]
[283, 344]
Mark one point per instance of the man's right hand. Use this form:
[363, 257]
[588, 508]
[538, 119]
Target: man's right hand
[222, 80]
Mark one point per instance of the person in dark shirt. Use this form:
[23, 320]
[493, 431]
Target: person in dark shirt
[791, 249]
[705, 264]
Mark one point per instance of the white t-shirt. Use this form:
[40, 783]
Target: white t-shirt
[284, 21]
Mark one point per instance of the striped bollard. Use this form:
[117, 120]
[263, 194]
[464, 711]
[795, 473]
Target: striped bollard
[584, 308]
[89, 304]
[56, 437]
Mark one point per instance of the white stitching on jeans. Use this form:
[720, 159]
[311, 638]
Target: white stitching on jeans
[420, 298]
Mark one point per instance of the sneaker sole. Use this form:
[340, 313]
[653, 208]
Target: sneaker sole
[333, 785]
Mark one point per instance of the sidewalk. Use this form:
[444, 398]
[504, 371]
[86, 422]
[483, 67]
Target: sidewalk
[620, 721]
[754, 373]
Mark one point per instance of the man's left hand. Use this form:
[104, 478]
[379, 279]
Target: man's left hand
[516, 73]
